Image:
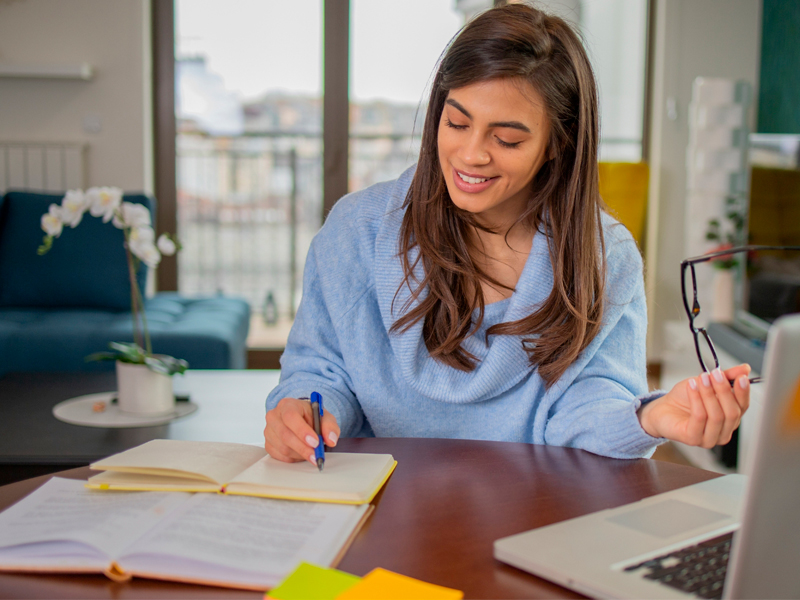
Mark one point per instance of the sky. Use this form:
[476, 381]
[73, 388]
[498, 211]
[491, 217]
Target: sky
[257, 46]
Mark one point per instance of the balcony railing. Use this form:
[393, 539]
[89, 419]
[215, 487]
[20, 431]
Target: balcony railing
[248, 207]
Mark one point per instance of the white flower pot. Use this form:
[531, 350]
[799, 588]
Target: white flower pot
[142, 391]
[722, 309]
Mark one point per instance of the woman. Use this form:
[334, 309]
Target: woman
[485, 294]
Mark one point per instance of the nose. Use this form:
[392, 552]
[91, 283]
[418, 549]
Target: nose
[474, 151]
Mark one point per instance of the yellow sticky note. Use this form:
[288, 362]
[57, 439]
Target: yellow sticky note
[310, 582]
[380, 584]
[791, 423]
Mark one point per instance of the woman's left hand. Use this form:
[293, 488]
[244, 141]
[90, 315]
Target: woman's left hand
[702, 411]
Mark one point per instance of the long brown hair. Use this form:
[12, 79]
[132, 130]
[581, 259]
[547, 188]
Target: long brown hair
[516, 42]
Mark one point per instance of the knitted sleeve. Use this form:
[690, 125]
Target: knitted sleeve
[597, 399]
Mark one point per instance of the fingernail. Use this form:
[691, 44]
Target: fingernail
[744, 382]
[312, 441]
[332, 438]
[717, 373]
[706, 381]
[693, 383]
[312, 459]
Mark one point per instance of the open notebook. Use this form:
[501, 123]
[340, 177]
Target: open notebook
[241, 469]
[210, 539]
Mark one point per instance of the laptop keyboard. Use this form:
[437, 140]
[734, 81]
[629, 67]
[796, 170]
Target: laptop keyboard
[698, 570]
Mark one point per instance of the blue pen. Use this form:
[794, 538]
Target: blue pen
[316, 411]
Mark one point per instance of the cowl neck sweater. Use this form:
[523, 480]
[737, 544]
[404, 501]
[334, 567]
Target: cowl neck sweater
[378, 382]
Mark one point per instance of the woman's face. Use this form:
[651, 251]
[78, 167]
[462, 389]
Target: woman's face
[492, 141]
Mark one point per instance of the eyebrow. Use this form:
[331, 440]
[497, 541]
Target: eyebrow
[510, 124]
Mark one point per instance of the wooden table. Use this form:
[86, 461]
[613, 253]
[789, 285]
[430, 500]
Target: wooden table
[33, 442]
[435, 519]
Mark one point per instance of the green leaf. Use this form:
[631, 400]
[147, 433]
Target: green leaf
[47, 243]
[167, 365]
[134, 354]
[101, 356]
[129, 353]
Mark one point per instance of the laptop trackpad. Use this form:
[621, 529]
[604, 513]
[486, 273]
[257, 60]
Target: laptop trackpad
[667, 518]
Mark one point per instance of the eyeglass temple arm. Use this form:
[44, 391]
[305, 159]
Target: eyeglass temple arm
[711, 255]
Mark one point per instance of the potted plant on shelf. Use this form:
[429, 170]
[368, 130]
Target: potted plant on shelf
[144, 379]
[722, 308]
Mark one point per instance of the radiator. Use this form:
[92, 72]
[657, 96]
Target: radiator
[42, 166]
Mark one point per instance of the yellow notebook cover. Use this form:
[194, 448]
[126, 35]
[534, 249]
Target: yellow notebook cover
[241, 469]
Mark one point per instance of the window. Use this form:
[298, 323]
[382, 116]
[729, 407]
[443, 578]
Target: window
[394, 48]
[249, 152]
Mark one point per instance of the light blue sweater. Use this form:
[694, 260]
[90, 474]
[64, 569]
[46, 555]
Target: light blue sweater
[387, 385]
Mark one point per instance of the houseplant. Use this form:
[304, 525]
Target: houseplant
[144, 379]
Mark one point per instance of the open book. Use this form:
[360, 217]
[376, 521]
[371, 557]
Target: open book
[210, 539]
[185, 466]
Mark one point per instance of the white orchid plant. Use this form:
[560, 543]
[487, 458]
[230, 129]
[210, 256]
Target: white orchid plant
[140, 247]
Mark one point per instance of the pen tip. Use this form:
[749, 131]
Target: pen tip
[320, 464]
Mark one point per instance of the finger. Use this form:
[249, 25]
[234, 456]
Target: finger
[330, 429]
[697, 419]
[742, 393]
[727, 401]
[298, 433]
[715, 417]
[273, 440]
[277, 454]
[735, 372]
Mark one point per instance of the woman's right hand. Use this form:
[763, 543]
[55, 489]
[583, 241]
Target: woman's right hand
[289, 434]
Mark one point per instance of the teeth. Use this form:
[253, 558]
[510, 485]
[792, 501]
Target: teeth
[472, 179]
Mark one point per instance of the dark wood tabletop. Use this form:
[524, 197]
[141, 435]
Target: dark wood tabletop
[435, 519]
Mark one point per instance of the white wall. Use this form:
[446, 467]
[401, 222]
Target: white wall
[712, 38]
[114, 37]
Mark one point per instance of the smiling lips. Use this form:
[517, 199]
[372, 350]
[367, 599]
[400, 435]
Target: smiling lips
[470, 183]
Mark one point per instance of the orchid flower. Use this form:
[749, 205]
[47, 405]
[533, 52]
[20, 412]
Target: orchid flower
[73, 206]
[104, 201]
[142, 246]
[51, 221]
[166, 245]
[135, 221]
[131, 215]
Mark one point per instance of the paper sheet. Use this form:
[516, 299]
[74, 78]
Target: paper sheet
[63, 509]
[240, 533]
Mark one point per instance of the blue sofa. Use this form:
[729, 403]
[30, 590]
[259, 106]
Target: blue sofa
[58, 308]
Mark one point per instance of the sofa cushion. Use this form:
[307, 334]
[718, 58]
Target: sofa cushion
[86, 267]
[210, 333]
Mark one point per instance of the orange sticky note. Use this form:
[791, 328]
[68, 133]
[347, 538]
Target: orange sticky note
[380, 584]
[791, 422]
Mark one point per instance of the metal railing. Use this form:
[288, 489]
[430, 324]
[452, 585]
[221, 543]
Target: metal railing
[248, 207]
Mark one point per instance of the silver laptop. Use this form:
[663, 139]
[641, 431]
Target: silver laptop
[735, 536]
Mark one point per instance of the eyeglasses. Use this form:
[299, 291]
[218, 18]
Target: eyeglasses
[702, 341]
